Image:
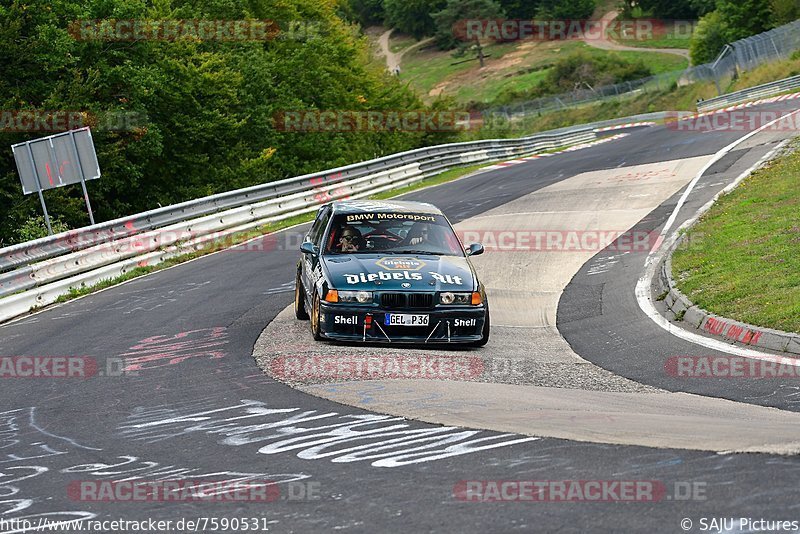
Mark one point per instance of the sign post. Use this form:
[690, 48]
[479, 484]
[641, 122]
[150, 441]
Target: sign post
[58, 160]
[39, 190]
[83, 179]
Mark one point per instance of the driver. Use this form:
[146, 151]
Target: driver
[418, 234]
[350, 239]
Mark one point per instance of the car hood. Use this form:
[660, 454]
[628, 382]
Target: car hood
[377, 272]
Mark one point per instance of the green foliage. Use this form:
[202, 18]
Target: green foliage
[744, 18]
[708, 39]
[519, 9]
[36, 227]
[413, 16]
[670, 9]
[366, 12]
[784, 11]
[702, 7]
[736, 19]
[581, 70]
[459, 10]
[206, 108]
[565, 9]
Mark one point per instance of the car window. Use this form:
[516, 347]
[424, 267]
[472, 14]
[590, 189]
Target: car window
[398, 233]
[318, 228]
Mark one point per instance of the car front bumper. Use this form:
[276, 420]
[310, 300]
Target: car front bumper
[456, 324]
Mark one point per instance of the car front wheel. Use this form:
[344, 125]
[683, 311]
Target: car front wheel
[316, 330]
[300, 299]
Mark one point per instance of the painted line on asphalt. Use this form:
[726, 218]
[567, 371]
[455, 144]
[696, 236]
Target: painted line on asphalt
[664, 245]
[573, 148]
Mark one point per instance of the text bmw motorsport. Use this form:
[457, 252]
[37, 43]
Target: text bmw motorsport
[389, 272]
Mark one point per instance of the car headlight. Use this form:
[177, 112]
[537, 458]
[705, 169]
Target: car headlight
[455, 298]
[360, 297]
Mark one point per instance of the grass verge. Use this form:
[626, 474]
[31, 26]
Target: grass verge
[744, 262]
[512, 66]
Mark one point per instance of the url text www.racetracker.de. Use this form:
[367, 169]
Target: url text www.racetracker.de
[144, 526]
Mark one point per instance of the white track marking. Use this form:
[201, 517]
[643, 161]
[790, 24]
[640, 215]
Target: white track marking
[662, 246]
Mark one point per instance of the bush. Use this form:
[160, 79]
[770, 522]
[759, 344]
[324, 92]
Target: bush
[581, 70]
[708, 39]
[565, 9]
[36, 227]
[412, 16]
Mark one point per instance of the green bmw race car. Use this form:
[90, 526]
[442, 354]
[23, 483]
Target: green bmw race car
[391, 271]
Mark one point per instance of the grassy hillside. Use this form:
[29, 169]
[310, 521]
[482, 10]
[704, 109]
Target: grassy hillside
[511, 66]
[677, 99]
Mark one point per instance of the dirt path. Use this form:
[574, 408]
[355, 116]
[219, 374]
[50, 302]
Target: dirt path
[392, 59]
[606, 43]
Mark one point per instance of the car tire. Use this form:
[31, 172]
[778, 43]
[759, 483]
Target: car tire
[300, 300]
[484, 333]
[316, 315]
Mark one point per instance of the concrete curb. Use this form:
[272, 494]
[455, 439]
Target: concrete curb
[680, 308]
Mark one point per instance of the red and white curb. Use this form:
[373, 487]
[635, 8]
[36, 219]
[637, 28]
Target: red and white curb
[621, 126]
[770, 100]
[511, 163]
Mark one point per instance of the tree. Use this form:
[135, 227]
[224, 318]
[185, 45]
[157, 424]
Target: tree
[669, 9]
[448, 34]
[743, 18]
[581, 69]
[785, 11]
[565, 9]
[702, 7]
[412, 16]
[367, 12]
[519, 9]
[708, 39]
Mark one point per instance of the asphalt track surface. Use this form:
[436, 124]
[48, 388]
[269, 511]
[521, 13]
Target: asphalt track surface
[187, 335]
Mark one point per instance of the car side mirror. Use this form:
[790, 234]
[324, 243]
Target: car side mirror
[308, 248]
[475, 249]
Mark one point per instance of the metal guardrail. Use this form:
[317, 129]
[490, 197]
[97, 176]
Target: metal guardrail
[500, 117]
[37, 272]
[752, 93]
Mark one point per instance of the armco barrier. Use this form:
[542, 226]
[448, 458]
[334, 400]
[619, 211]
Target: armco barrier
[752, 93]
[36, 273]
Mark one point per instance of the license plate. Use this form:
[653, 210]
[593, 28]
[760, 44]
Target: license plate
[406, 319]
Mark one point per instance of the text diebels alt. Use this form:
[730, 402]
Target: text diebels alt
[401, 275]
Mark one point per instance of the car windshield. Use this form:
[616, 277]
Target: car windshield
[392, 233]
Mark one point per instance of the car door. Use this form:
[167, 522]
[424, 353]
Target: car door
[312, 269]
